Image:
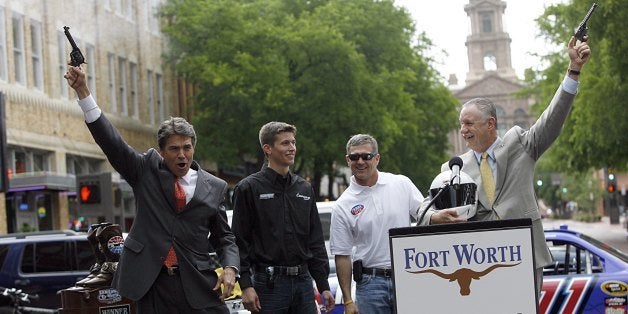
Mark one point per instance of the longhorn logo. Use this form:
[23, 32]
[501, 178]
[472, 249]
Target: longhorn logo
[463, 276]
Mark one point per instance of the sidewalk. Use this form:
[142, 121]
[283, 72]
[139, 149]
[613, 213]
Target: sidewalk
[615, 235]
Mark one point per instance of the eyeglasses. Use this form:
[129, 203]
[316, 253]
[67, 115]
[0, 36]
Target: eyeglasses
[364, 156]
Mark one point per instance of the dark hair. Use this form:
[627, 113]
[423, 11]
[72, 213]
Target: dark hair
[172, 126]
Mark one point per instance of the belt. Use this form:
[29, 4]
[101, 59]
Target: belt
[170, 271]
[282, 270]
[382, 272]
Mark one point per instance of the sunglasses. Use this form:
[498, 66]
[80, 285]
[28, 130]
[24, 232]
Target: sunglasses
[364, 156]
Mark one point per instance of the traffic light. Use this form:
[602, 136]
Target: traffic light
[89, 193]
[611, 185]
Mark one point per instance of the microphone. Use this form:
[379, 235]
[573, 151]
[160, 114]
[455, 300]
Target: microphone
[455, 164]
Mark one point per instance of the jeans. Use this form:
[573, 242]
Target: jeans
[288, 294]
[375, 295]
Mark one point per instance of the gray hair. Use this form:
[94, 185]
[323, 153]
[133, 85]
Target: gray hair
[172, 126]
[269, 130]
[485, 106]
[362, 139]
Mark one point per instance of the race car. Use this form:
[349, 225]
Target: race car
[587, 276]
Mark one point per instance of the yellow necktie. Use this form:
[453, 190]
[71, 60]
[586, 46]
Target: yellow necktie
[487, 178]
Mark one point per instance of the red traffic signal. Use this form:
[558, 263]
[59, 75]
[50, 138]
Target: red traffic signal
[611, 187]
[89, 193]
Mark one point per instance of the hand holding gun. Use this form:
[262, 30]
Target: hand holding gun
[582, 30]
[76, 57]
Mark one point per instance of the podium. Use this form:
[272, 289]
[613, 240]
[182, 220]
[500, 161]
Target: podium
[474, 267]
[101, 300]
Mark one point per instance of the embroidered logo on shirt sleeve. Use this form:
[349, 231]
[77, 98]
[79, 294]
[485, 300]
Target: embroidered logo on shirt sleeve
[304, 197]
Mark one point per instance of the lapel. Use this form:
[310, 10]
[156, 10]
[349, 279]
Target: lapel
[501, 157]
[166, 180]
[203, 188]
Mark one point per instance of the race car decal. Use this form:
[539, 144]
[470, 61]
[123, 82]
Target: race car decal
[614, 288]
[566, 294]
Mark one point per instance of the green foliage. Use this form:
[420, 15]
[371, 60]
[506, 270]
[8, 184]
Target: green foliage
[594, 135]
[332, 68]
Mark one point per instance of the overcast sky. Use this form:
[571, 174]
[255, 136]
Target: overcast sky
[447, 24]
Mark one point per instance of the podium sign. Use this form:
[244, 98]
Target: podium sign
[473, 267]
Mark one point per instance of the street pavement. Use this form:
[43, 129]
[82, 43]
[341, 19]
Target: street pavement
[615, 235]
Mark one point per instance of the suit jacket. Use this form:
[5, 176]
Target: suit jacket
[157, 226]
[516, 155]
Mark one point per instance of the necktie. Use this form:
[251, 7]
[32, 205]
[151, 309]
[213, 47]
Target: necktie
[179, 201]
[487, 178]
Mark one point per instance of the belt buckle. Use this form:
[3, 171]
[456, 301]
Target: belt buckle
[292, 271]
[171, 270]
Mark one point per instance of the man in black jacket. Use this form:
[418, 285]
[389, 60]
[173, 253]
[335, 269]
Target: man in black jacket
[279, 233]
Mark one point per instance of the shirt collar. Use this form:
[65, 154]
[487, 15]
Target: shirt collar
[355, 188]
[490, 151]
[189, 177]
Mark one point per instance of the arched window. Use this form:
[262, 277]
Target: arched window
[490, 62]
[521, 118]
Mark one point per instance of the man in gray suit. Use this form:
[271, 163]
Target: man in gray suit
[511, 159]
[165, 265]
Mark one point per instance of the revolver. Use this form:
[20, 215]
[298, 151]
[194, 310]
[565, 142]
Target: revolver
[76, 57]
[582, 29]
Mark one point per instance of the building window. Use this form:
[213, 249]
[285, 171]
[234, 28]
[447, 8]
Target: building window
[78, 165]
[123, 97]
[112, 81]
[501, 120]
[38, 70]
[3, 46]
[134, 102]
[128, 10]
[91, 68]
[160, 97]
[63, 64]
[26, 160]
[18, 48]
[487, 22]
[490, 62]
[20, 162]
[521, 118]
[151, 97]
[40, 162]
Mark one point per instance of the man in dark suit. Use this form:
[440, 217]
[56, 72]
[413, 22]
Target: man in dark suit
[165, 265]
[507, 191]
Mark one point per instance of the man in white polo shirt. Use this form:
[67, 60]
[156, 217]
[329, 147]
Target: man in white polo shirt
[373, 203]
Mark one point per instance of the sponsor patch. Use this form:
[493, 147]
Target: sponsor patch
[304, 197]
[115, 244]
[109, 296]
[266, 196]
[357, 209]
[614, 288]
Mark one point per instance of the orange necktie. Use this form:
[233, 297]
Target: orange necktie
[179, 201]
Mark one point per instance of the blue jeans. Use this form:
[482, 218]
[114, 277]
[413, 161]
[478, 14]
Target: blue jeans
[289, 294]
[375, 295]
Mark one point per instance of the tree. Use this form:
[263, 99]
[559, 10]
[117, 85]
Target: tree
[332, 68]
